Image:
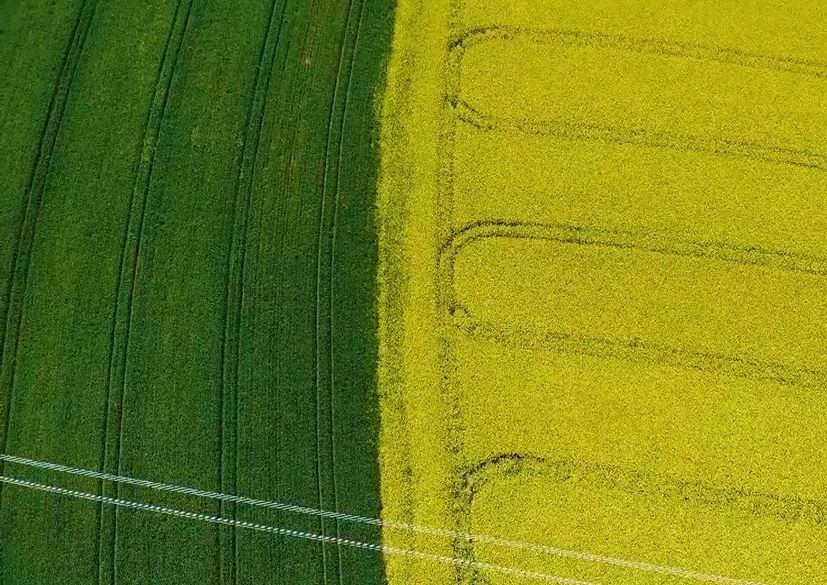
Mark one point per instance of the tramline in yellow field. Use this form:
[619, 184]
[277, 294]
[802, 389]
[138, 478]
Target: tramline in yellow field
[603, 285]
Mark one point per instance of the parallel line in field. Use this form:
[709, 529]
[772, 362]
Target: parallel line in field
[324, 247]
[638, 136]
[235, 270]
[778, 63]
[574, 130]
[634, 350]
[482, 467]
[51, 124]
[32, 203]
[641, 352]
[458, 43]
[277, 530]
[271, 60]
[754, 255]
[331, 299]
[287, 176]
[663, 487]
[128, 271]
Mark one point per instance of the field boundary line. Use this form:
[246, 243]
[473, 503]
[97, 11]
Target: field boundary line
[383, 523]
[379, 548]
[740, 366]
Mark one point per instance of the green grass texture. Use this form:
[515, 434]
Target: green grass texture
[187, 283]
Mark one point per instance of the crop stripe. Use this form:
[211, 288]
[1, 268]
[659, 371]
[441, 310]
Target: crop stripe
[14, 296]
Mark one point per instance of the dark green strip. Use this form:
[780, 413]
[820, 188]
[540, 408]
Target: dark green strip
[204, 289]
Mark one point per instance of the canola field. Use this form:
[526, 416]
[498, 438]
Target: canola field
[187, 287]
[408, 292]
[603, 285]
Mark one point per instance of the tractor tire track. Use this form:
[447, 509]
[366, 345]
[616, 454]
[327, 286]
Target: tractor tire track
[778, 63]
[287, 159]
[632, 349]
[324, 279]
[127, 279]
[20, 265]
[234, 290]
[574, 130]
[569, 129]
[331, 298]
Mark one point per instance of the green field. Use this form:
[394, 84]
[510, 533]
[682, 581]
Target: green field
[187, 283]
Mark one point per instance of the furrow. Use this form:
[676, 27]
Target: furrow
[14, 298]
[127, 279]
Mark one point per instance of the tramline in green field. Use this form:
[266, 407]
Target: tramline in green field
[188, 261]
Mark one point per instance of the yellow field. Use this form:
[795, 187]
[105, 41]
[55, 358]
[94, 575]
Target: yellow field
[603, 290]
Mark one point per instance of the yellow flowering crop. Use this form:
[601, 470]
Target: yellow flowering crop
[604, 289]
